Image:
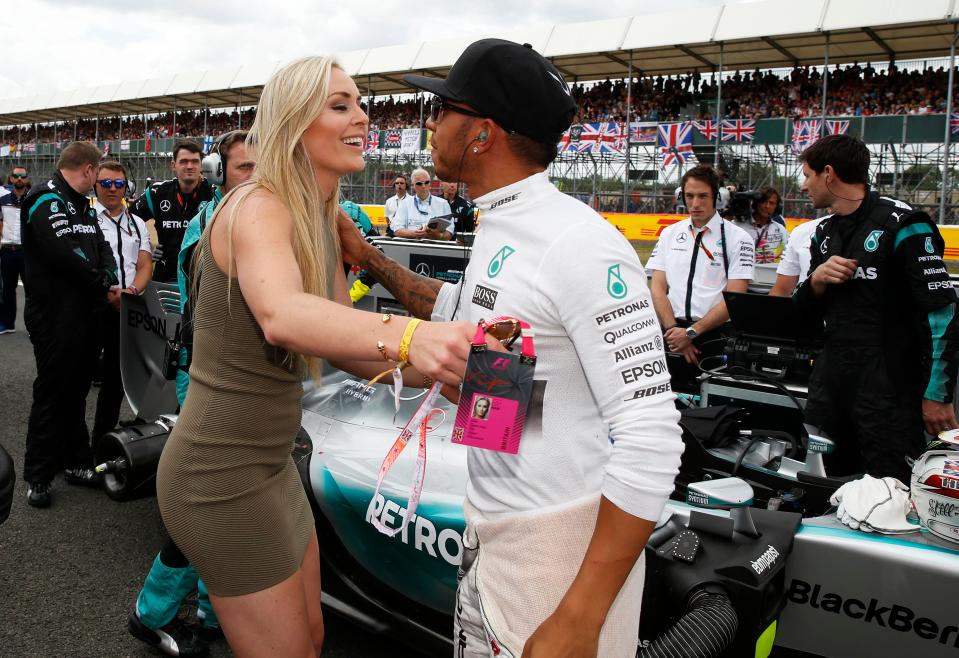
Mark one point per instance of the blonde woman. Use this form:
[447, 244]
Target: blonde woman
[272, 301]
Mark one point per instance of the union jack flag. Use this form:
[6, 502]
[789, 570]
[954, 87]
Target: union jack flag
[805, 134]
[707, 129]
[954, 122]
[951, 467]
[605, 137]
[393, 139]
[837, 127]
[739, 130]
[571, 140]
[372, 141]
[676, 142]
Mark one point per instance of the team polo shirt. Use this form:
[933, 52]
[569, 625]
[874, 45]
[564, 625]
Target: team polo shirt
[127, 236]
[770, 240]
[688, 255]
[795, 260]
[602, 418]
[412, 212]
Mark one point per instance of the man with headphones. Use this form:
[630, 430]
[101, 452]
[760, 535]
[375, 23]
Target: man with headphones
[553, 548]
[172, 577]
[888, 366]
[770, 236]
[693, 262]
[172, 203]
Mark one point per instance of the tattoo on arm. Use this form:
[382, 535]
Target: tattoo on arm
[416, 293]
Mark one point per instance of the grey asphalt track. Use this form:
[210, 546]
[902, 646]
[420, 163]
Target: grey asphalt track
[69, 574]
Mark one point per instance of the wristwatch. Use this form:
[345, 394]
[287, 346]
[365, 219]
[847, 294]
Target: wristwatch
[691, 333]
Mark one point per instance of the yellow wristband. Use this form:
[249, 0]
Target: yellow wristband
[404, 354]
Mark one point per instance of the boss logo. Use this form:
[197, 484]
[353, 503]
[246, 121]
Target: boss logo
[485, 297]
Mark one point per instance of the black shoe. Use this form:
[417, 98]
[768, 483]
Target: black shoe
[82, 477]
[38, 494]
[174, 639]
[209, 634]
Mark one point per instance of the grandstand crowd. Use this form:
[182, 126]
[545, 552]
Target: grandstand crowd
[852, 91]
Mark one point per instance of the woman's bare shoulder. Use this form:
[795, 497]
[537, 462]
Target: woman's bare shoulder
[254, 204]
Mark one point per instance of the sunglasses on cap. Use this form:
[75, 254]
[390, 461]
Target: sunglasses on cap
[16, 175]
[439, 105]
[108, 183]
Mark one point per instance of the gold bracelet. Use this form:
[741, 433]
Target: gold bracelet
[404, 353]
[381, 346]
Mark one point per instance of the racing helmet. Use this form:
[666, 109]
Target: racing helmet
[935, 489]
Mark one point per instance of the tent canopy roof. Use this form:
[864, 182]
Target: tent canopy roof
[765, 34]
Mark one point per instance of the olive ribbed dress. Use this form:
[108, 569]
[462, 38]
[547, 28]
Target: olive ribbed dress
[228, 490]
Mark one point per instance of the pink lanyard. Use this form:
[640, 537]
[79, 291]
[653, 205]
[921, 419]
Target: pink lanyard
[425, 413]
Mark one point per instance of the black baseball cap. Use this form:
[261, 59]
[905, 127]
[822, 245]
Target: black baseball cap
[510, 83]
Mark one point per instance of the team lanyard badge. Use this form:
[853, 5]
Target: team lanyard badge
[496, 389]
[503, 380]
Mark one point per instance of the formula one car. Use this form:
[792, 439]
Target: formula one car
[795, 581]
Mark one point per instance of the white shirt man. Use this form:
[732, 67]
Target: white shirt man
[417, 209]
[794, 266]
[128, 236]
[693, 262]
[389, 208]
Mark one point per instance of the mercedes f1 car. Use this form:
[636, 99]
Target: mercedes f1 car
[794, 581]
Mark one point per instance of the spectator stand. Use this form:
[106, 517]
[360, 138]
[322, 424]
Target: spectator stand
[771, 62]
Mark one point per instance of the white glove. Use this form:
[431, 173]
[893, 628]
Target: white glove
[874, 505]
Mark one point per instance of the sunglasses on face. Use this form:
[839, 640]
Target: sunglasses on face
[108, 183]
[420, 183]
[439, 105]
[16, 175]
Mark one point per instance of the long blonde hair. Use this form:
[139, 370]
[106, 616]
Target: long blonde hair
[291, 100]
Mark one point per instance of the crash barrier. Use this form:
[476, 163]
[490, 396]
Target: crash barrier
[8, 478]
[648, 227]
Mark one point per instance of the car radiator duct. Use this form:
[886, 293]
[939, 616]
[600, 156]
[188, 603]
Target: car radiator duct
[705, 631]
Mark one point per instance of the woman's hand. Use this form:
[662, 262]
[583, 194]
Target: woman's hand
[439, 349]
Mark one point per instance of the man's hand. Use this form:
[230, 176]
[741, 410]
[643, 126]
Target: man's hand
[437, 234]
[938, 416]
[352, 244]
[834, 271]
[561, 636]
[677, 340]
[691, 354]
[113, 297]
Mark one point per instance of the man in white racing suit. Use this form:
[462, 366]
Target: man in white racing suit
[555, 533]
